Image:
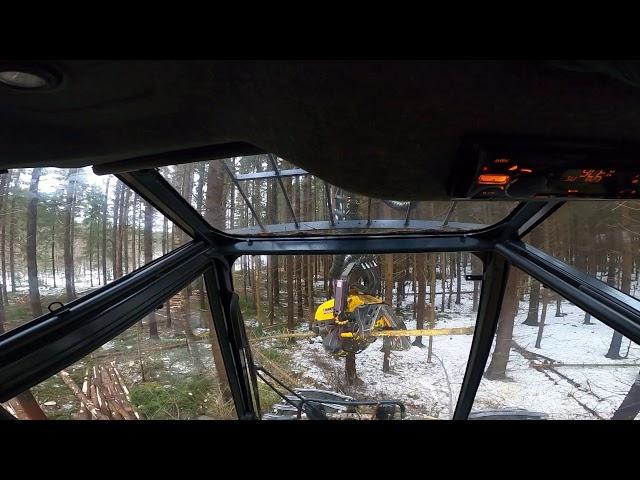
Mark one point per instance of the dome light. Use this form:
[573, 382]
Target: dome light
[27, 78]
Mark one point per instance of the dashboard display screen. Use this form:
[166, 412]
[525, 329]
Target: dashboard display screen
[521, 170]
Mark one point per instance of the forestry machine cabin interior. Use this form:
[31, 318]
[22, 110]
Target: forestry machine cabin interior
[279, 240]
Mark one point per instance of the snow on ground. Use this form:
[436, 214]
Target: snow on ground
[431, 389]
[568, 340]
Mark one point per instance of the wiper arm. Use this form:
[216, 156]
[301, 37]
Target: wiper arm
[315, 413]
[312, 411]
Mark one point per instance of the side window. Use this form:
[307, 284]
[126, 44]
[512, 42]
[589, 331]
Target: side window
[552, 359]
[166, 367]
[66, 232]
[600, 238]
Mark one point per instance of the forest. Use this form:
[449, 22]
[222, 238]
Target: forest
[66, 232]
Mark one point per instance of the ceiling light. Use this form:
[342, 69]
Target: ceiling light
[27, 78]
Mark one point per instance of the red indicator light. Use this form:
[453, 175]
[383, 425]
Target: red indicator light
[493, 179]
[502, 160]
[572, 190]
[515, 167]
[526, 170]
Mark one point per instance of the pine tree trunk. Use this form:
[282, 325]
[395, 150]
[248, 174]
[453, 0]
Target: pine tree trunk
[186, 190]
[256, 288]
[431, 309]
[387, 264]
[458, 278]
[90, 249]
[504, 333]
[68, 225]
[201, 170]
[5, 183]
[534, 303]
[104, 233]
[148, 257]
[271, 313]
[616, 339]
[309, 284]
[419, 275]
[290, 319]
[350, 369]
[125, 231]
[30, 406]
[214, 213]
[12, 237]
[299, 294]
[543, 316]
[114, 233]
[32, 261]
[134, 225]
[120, 230]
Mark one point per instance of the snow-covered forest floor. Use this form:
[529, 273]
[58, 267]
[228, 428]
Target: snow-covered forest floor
[431, 389]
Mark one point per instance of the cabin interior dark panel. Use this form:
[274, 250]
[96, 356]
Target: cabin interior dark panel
[381, 128]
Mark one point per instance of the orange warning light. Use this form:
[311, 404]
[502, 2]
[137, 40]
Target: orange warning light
[502, 160]
[493, 179]
[526, 170]
[572, 190]
[515, 167]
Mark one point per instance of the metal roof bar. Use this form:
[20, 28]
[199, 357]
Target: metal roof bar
[372, 224]
[177, 157]
[406, 218]
[293, 172]
[279, 176]
[153, 187]
[452, 207]
[244, 195]
[611, 306]
[496, 271]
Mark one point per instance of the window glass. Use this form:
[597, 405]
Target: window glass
[290, 327]
[242, 195]
[66, 232]
[165, 367]
[551, 359]
[598, 237]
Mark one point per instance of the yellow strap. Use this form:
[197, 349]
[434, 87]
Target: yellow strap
[431, 332]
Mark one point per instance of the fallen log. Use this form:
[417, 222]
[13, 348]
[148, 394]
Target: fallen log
[123, 392]
[83, 413]
[586, 365]
[91, 407]
[590, 410]
[551, 365]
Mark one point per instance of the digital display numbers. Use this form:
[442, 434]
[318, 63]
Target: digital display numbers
[587, 175]
[499, 167]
